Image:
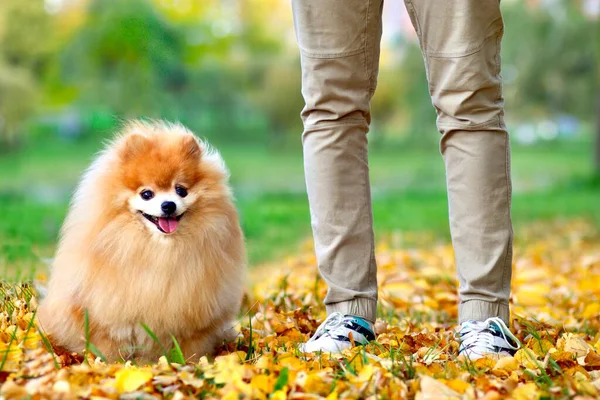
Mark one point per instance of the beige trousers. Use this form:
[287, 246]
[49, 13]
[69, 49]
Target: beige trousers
[460, 42]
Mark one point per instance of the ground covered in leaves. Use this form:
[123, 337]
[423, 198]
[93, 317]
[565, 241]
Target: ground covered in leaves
[556, 314]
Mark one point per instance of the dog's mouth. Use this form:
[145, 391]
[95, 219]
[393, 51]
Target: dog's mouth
[166, 225]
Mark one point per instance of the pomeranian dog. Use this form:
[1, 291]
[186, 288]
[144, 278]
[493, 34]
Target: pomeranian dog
[152, 240]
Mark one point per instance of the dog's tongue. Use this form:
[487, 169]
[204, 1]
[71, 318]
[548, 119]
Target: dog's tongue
[169, 225]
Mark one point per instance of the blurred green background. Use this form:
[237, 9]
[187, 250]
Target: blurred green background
[71, 70]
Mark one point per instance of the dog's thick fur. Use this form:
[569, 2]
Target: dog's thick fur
[123, 271]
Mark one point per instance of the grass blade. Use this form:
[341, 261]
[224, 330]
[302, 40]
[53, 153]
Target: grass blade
[250, 353]
[96, 352]
[176, 353]
[13, 337]
[155, 339]
[89, 347]
[48, 347]
[282, 380]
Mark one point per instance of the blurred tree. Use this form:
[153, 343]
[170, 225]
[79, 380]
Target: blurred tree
[596, 32]
[385, 106]
[207, 26]
[25, 46]
[549, 63]
[125, 57]
[414, 99]
[266, 26]
[551, 58]
[401, 107]
[187, 11]
[229, 68]
[597, 140]
[280, 98]
[200, 62]
[273, 66]
[230, 31]
[18, 98]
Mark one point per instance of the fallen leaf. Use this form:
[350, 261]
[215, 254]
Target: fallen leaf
[592, 359]
[529, 391]
[573, 343]
[432, 389]
[508, 364]
[130, 379]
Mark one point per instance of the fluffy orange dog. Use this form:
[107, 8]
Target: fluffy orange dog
[152, 237]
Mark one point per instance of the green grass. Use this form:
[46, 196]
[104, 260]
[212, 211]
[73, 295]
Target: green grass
[55, 164]
[275, 224]
[408, 195]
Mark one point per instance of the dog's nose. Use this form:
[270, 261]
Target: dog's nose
[168, 207]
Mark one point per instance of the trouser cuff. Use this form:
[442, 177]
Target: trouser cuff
[479, 310]
[360, 307]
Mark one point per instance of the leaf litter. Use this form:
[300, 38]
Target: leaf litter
[555, 313]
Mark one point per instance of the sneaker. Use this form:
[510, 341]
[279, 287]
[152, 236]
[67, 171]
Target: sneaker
[333, 335]
[488, 338]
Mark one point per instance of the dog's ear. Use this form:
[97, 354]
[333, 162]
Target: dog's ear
[134, 145]
[191, 147]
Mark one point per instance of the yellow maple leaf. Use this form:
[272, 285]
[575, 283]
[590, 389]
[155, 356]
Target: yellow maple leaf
[189, 379]
[228, 368]
[458, 385]
[539, 347]
[332, 396]
[573, 343]
[592, 310]
[507, 364]
[431, 388]
[130, 379]
[264, 362]
[263, 383]
[526, 358]
[279, 395]
[366, 373]
[317, 383]
[529, 391]
[231, 395]
[532, 295]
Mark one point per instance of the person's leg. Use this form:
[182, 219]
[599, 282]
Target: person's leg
[339, 46]
[460, 40]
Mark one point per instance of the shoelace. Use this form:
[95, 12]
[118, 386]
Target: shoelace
[333, 321]
[480, 336]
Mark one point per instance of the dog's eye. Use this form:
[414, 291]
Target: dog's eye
[147, 194]
[181, 191]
